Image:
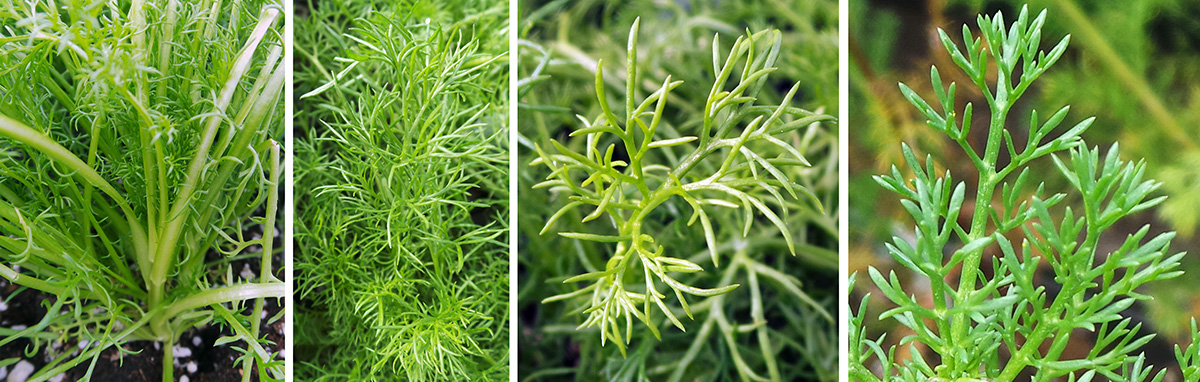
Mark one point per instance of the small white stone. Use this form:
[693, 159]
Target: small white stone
[57, 378]
[184, 379]
[196, 341]
[83, 344]
[157, 345]
[19, 327]
[191, 367]
[3, 372]
[21, 372]
[3, 306]
[181, 352]
[246, 272]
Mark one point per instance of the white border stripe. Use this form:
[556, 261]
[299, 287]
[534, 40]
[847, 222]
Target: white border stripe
[843, 190]
[512, 190]
[289, 210]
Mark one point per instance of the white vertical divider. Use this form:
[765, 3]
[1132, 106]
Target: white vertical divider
[512, 189]
[843, 307]
[289, 209]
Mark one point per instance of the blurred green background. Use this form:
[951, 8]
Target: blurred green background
[1135, 65]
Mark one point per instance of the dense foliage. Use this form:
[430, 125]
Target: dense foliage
[691, 152]
[401, 179]
[136, 148]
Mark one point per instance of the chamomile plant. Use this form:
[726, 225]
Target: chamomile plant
[990, 316]
[136, 148]
[669, 176]
[626, 191]
[401, 179]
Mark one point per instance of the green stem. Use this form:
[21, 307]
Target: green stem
[764, 337]
[94, 351]
[42, 285]
[1022, 358]
[168, 361]
[268, 240]
[983, 199]
[222, 295]
[177, 217]
[18, 131]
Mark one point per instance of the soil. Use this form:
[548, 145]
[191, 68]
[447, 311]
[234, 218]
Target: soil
[206, 362]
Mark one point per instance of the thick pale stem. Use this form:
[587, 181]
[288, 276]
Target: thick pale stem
[222, 295]
[168, 361]
[165, 253]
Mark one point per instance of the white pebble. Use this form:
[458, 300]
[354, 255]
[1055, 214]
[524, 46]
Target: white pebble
[19, 327]
[157, 345]
[57, 378]
[3, 306]
[184, 379]
[196, 341]
[191, 367]
[83, 344]
[3, 372]
[21, 372]
[246, 272]
[181, 352]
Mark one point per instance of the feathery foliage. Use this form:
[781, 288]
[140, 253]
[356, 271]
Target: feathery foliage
[401, 172]
[136, 138]
[998, 321]
[627, 191]
[709, 162]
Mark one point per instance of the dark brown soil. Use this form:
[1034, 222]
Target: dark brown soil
[211, 363]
